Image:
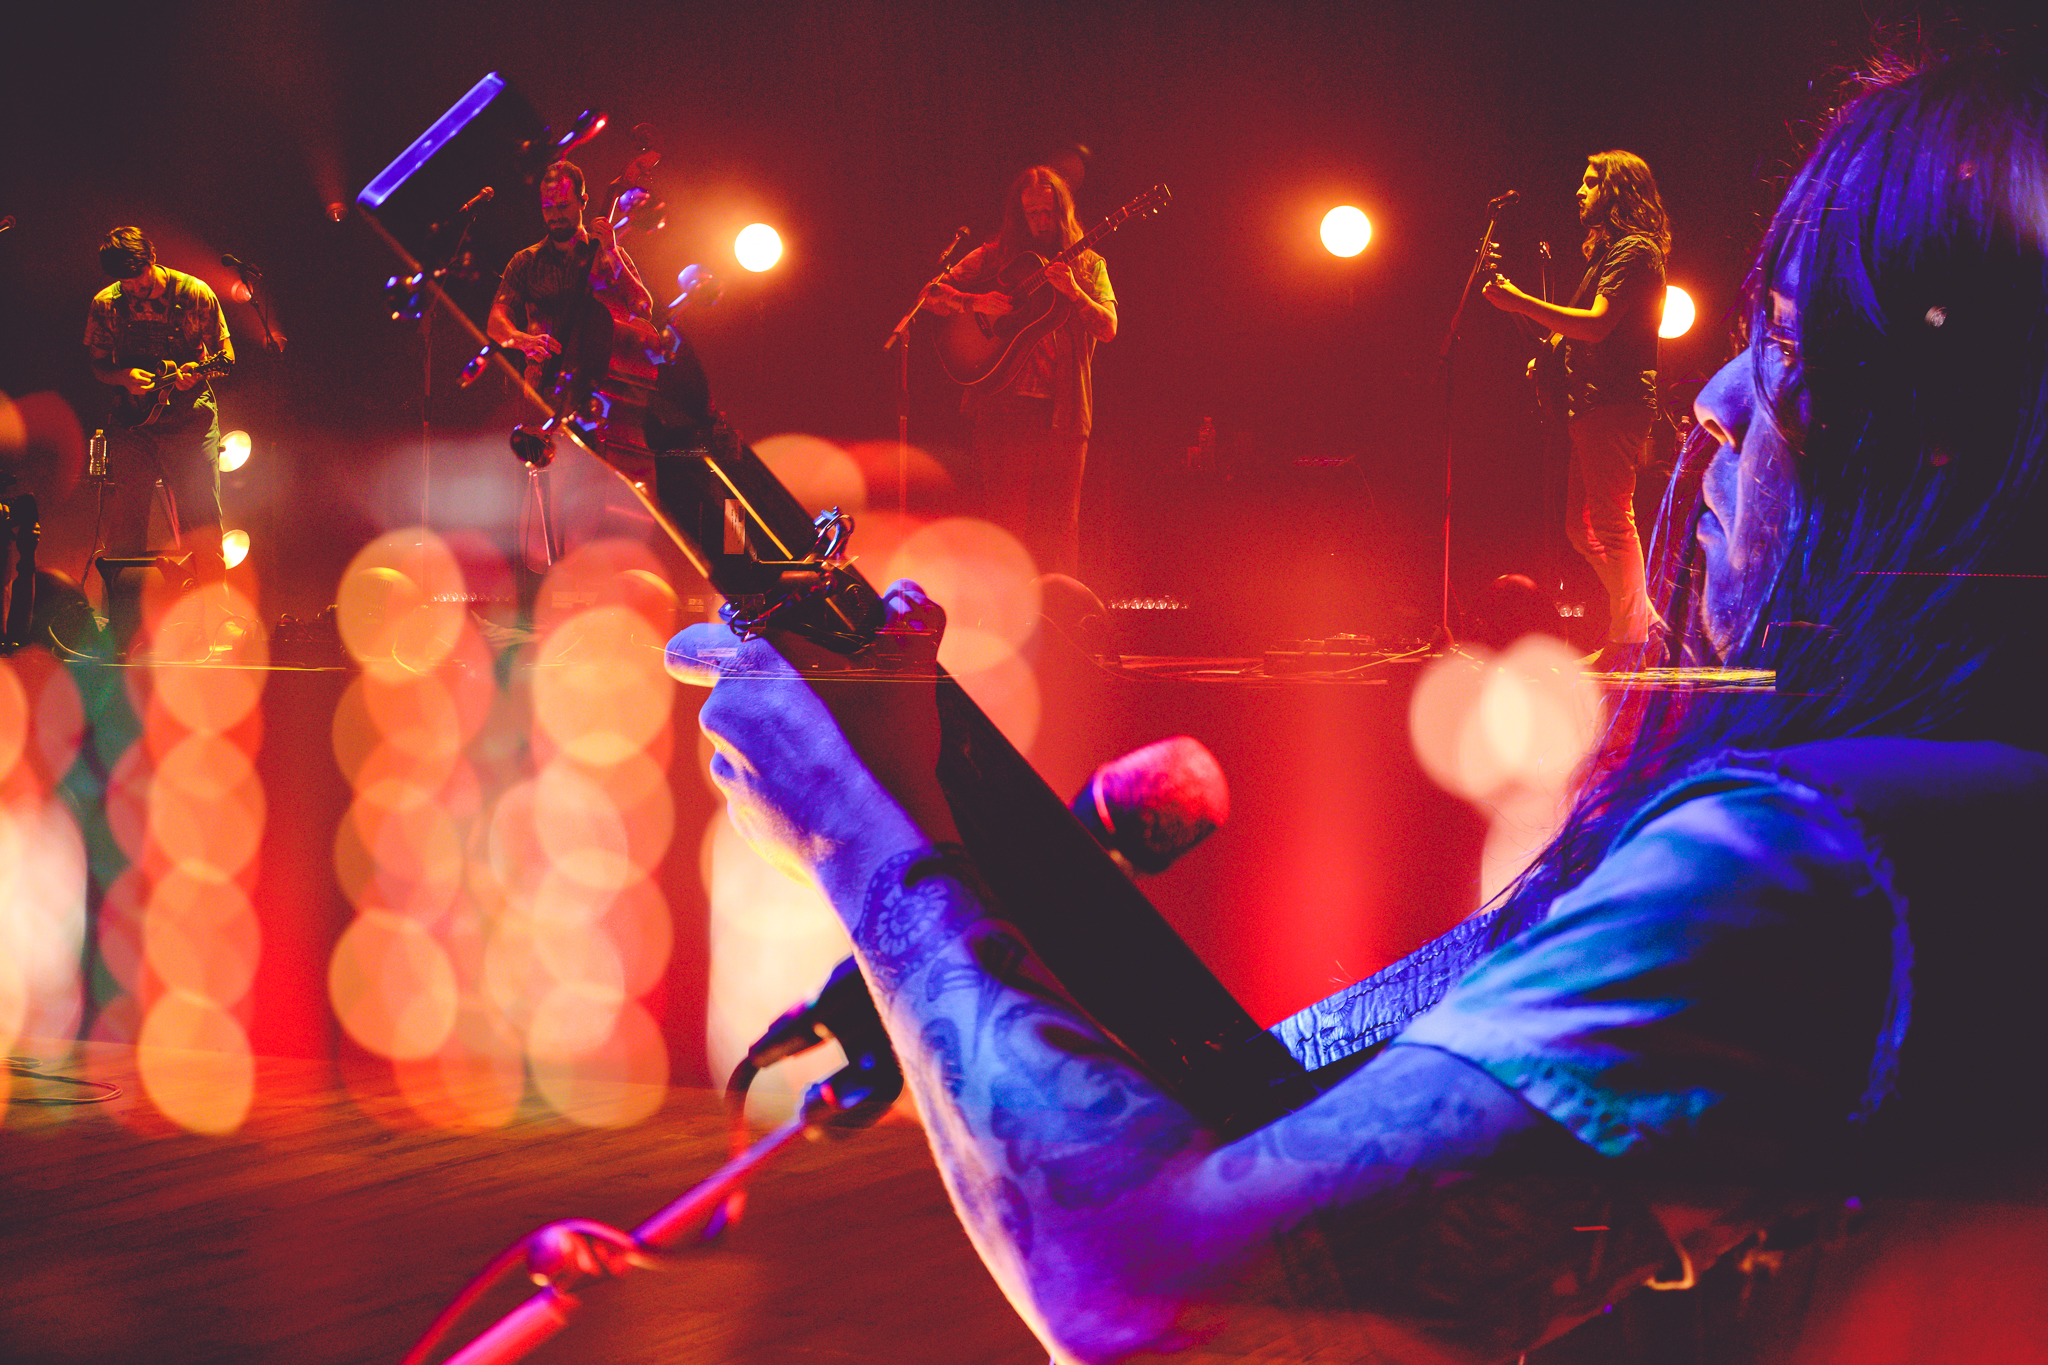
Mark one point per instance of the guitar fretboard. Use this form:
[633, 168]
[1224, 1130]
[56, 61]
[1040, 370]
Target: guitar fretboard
[1152, 199]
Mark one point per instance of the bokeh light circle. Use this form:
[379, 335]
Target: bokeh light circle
[816, 472]
[619, 1082]
[599, 688]
[1480, 725]
[196, 1063]
[400, 606]
[206, 805]
[983, 577]
[14, 719]
[1346, 231]
[392, 986]
[607, 572]
[200, 935]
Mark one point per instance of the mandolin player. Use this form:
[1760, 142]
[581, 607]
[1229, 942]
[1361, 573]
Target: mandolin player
[1030, 436]
[158, 335]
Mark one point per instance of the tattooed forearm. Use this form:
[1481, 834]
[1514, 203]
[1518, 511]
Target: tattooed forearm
[1074, 1120]
[1419, 1196]
[941, 1039]
[916, 902]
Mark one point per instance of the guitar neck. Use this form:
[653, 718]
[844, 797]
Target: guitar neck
[1088, 239]
[1113, 952]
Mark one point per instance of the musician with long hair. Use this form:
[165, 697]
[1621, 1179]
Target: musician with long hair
[1769, 997]
[1030, 437]
[1610, 337]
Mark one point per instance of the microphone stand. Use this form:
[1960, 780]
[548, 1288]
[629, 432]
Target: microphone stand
[1556, 460]
[899, 341]
[1446, 357]
[467, 215]
[564, 1257]
[252, 280]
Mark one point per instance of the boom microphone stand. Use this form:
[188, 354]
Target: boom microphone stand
[1446, 356]
[899, 340]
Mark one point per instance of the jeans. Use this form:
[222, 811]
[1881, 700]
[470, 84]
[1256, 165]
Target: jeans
[1609, 444]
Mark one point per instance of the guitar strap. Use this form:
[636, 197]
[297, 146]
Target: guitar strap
[1367, 1013]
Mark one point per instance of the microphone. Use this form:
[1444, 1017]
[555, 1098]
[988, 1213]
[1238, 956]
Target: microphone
[959, 234]
[477, 201]
[1501, 201]
[237, 264]
[1155, 803]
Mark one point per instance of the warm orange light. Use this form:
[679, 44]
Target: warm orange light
[1346, 231]
[234, 547]
[234, 451]
[1678, 313]
[758, 247]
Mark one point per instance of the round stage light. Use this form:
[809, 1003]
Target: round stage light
[234, 547]
[1678, 313]
[1346, 230]
[234, 451]
[758, 247]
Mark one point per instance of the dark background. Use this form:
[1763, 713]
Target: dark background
[866, 133]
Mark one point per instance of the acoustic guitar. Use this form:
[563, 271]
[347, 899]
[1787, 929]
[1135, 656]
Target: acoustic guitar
[980, 352]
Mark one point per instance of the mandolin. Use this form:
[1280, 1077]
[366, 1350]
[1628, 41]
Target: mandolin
[153, 403]
[980, 352]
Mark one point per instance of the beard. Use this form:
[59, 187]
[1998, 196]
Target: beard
[561, 234]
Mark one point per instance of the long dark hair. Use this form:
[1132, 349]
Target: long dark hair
[1633, 205]
[1016, 232]
[1914, 247]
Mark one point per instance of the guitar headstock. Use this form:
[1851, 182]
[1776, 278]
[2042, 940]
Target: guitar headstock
[1149, 204]
[1146, 205]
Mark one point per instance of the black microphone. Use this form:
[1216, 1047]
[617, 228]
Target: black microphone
[959, 234]
[1501, 201]
[477, 201]
[235, 263]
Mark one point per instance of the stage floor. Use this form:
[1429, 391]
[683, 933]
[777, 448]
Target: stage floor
[331, 1228]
